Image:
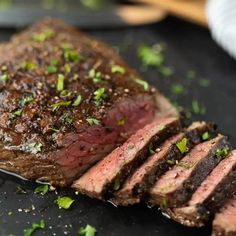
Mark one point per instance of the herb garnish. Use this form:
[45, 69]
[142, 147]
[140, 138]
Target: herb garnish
[150, 149]
[17, 112]
[64, 202]
[77, 101]
[55, 106]
[29, 65]
[87, 231]
[34, 147]
[43, 36]
[96, 76]
[35, 226]
[143, 83]
[191, 74]
[52, 68]
[71, 55]
[185, 165]
[166, 71]
[205, 136]
[117, 69]
[26, 100]
[197, 108]
[204, 83]
[99, 95]
[222, 152]
[92, 121]
[41, 189]
[122, 121]
[65, 93]
[4, 77]
[150, 56]
[116, 184]
[60, 82]
[177, 89]
[182, 145]
[67, 68]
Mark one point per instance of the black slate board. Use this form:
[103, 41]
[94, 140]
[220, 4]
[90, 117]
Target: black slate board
[188, 47]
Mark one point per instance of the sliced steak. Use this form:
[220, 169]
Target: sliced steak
[136, 186]
[176, 186]
[210, 196]
[224, 223]
[66, 101]
[108, 175]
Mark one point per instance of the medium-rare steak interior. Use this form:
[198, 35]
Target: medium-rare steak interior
[66, 101]
[107, 176]
[177, 185]
[210, 196]
[224, 223]
[164, 157]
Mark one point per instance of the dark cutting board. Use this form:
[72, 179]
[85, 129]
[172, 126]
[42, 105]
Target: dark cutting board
[188, 47]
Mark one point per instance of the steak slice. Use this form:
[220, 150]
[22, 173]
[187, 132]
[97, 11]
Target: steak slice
[224, 223]
[138, 185]
[66, 101]
[210, 196]
[108, 175]
[176, 186]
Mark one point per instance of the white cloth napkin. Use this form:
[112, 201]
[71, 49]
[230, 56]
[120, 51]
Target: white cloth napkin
[222, 22]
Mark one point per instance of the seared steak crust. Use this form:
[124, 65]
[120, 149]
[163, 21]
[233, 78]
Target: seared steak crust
[108, 175]
[66, 101]
[136, 186]
[210, 196]
[176, 186]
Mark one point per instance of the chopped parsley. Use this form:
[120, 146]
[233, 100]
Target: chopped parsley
[71, 55]
[185, 165]
[149, 56]
[197, 108]
[77, 101]
[116, 184]
[206, 136]
[166, 71]
[65, 93]
[34, 147]
[222, 152]
[96, 76]
[204, 82]
[64, 202]
[87, 231]
[170, 162]
[52, 68]
[29, 65]
[4, 78]
[150, 149]
[182, 145]
[122, 121]
[117, 69]
[41, 189]
[92, 121]
[67, 68]
[55, 106]
[99, 95]
[143, 83]
[60, 82]
[177, 89]
[35, 226]
[17, 112]
[43, 36]
[191, 74]
[26, 100]
[66, 46]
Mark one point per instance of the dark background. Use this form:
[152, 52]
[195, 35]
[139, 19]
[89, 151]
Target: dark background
[188, 48]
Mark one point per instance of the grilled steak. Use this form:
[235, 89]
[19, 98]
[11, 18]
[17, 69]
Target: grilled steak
[66, 101]
[224, 223]
[109, 174]
[166, 155]
[210, 196]
[176, 186]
